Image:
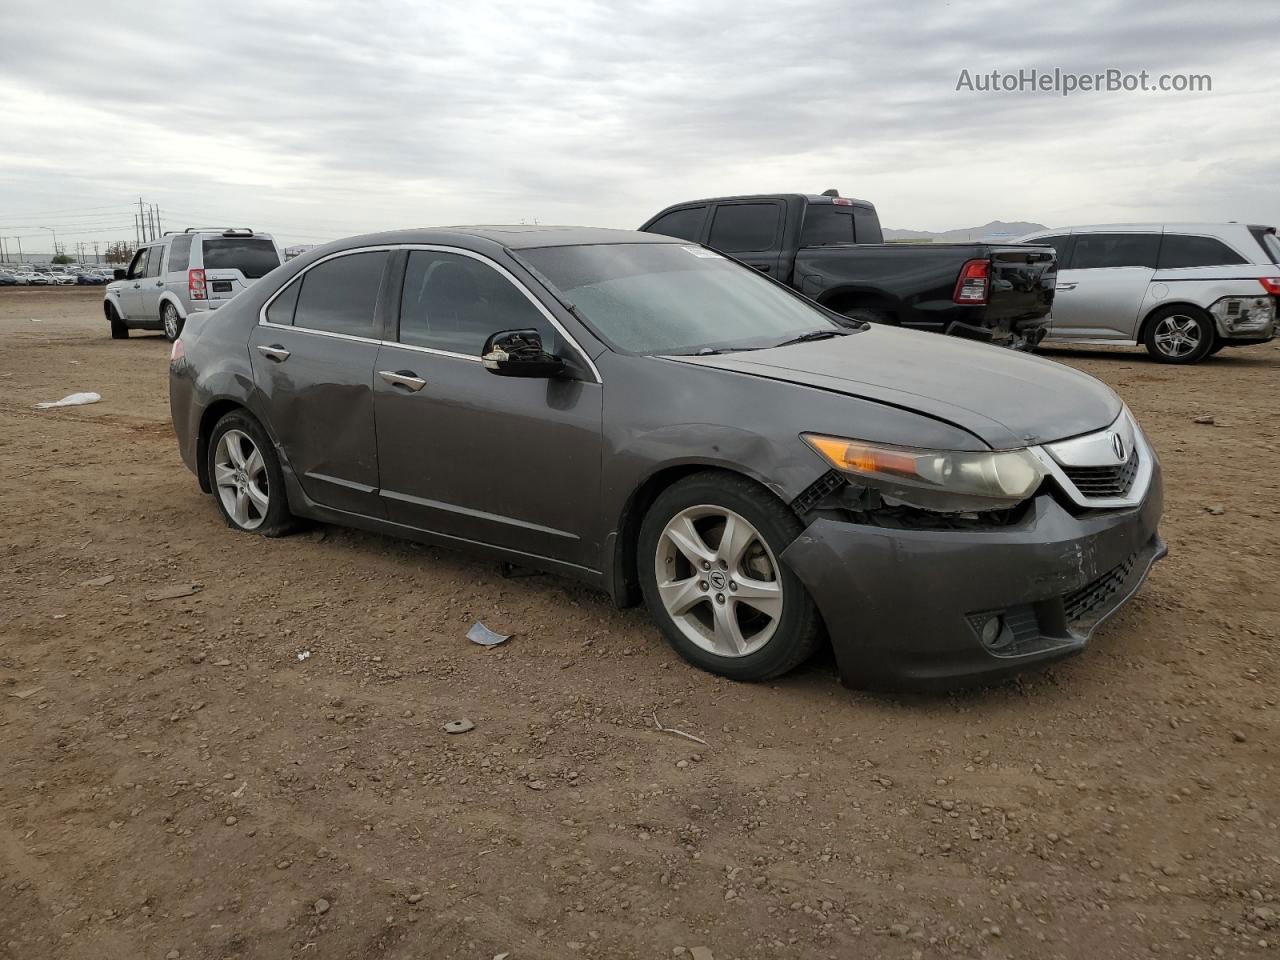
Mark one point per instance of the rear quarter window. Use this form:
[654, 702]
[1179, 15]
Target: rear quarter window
[1181, 250]
[252, 256]
[339, 295]
[180, 253]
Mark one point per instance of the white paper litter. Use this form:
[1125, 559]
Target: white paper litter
[71, 400]
[482, 635]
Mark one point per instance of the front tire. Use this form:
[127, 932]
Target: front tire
[713, 583]
[171, 321]
[1180, 335]
[246, 479]
[119, 330]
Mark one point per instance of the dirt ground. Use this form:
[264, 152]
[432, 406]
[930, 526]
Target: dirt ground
[178, 781]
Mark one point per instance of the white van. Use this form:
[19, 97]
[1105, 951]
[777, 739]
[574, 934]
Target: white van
[1184, 290]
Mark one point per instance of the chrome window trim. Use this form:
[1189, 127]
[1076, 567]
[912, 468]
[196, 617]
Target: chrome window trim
[1128, 427]
[440, 248]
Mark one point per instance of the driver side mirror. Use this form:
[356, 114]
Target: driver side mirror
[119, 274]
[519, 353]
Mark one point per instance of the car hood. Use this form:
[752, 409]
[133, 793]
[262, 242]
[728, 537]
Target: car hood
[1006, 399]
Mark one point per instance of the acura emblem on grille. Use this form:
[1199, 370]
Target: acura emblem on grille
[1117, 444]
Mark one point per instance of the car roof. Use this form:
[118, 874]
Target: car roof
[1202, 227]
[512, 236]
[807, 197]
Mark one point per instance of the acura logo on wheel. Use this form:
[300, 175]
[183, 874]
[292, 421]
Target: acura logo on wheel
[1117, 444]
[718, 579]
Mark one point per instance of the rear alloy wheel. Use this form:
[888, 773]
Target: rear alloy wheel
[172, 322]
[245, 475]
[1179, 335]
[712, 580]
[119, 330]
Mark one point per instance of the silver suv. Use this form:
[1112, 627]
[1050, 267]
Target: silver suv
[1184, 290]
[197, 269]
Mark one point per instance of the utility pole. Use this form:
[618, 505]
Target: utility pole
[19, 239]
[142, 222]
[96, 258]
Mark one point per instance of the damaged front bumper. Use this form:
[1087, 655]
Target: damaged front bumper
[926, 609]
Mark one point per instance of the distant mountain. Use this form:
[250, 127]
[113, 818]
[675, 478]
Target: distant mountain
[996, 229]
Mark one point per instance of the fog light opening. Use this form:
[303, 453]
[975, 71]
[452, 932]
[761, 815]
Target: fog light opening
[991, 630]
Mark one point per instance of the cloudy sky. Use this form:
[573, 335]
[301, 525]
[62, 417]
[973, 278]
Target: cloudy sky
[316, 120]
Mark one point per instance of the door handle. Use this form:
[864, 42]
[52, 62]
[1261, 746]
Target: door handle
[1065, 286]
[274, 352]
[159, 283]
[403, 378]
[136, 286]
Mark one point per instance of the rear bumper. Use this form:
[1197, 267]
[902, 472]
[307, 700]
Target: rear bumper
[905, 608]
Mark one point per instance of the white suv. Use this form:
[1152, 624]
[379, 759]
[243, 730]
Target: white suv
[1184, 290]
[197, 269]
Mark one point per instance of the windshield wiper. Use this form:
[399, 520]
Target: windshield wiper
[813, 335]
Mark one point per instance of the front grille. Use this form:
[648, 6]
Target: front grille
[1089, 600]
[1099, 483]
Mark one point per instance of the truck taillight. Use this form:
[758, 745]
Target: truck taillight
[1271, 285]
[195, 284]
[974, 282]
[177, 352]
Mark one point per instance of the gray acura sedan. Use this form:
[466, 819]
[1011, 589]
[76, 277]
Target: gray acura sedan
[667, 424]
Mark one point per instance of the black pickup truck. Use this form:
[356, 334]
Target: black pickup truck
[831, 249]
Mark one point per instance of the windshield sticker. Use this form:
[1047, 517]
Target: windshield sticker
[702, 252]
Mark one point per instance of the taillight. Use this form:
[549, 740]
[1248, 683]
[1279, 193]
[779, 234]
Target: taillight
[195, 284]
[973, 283]
[1271, 285]
[177, 352]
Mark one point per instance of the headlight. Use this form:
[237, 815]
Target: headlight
[949, 481]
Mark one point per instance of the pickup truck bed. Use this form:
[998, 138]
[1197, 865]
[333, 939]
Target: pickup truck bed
[829, 248]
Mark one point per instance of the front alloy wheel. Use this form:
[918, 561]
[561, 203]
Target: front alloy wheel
[241, 480]
[709, 568]
[718, 581]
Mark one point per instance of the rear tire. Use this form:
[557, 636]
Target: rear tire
[871, 315]
[119, 330]
[245, 477]
[732, 608]
[1179, 335]
[172, 321]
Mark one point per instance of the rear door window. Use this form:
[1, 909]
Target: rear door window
[180, 253]
[340, 295]
[254, 257]
[745, 227]
[154, 258]
[825, 224]
[1094, 251]
[684, 224]
[454, 303]
[1179, 250]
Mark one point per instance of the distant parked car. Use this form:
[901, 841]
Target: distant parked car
[182, 273]
[1183, 290]
[85, 278]
[8, 279]
[38, 279]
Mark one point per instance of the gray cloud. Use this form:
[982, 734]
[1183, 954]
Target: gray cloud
[316, 120]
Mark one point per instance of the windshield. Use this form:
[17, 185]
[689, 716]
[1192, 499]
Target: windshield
[672, 298]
